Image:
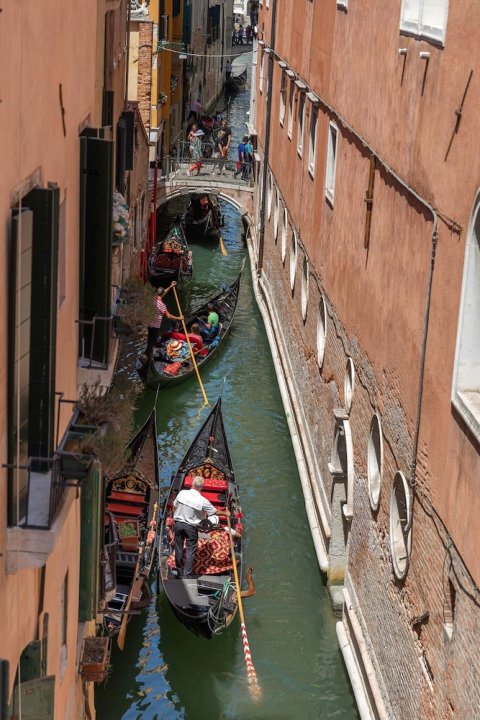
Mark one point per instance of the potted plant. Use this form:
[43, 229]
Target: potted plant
[94, 658]
[129, 534]
[74, 460]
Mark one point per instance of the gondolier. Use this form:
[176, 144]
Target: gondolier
[190, 509]
[160, 311]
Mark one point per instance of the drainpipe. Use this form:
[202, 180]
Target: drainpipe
[271, 59]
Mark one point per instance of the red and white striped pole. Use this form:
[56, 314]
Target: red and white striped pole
[255, 690]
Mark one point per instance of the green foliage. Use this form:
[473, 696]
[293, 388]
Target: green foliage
[113, 415]
[127, 529]
[136, 308]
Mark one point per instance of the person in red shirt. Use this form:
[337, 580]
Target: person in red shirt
[160, 311]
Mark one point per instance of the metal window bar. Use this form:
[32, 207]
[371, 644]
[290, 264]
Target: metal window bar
[106, 361]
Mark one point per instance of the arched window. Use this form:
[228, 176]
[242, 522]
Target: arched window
[305, 286]
[321, 331]
[375, 461]
[400, 525]
[349, 384]
[269, 194]
[284, 234]
[293, 258]
[276, 214]
[466, 382]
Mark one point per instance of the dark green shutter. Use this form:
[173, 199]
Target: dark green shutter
[95, 244]
[129, 118]
[38, 700]
[4, 680]
[19, 306]
[43, 328]
[90, 543]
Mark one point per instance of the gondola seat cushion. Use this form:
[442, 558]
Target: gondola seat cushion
[209, 484]
[126, 497]
[212, 555]
[128, 510]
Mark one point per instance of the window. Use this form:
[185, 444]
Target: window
[283, 98]
[276, 216]
[400, 525]
[262, 70]
[305, 287]
[269, 194]
[321, 331]
[63, 625]
[375, 461]
[349, 384]
[312, 142]
[425, 17]
[164, 28]
[466, 379]
[293, 259]
[284, 234]
[291, 97]
[301, 118]
[62, 253]
[331, 162]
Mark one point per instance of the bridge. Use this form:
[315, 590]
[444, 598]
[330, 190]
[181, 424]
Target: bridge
[215, 176]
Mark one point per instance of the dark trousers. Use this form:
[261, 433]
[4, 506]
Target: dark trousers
[184, 531]
[153, 335]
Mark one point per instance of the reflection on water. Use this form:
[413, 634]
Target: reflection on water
[167, 673]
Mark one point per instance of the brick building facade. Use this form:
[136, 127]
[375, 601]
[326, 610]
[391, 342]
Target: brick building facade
[366, 218]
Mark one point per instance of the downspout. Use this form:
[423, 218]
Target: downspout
[125, 99]
[266, 155]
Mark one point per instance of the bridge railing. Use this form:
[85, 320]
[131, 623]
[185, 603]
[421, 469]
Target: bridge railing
[211, 164]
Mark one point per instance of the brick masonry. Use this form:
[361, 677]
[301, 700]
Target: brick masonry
[422, 672]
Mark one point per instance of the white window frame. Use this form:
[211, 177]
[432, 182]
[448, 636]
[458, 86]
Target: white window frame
[305, 287]
[466, 374]
[276, 214]
[301, 122]
[293, 258]
[312, 141]
[321, 331]
[262, 70]
[291, 106]
[284, 234]
[401, 527]
[283, 98]
[332, 153]
[375, 461]
[349, 384]
[269, 193]
[416, 18]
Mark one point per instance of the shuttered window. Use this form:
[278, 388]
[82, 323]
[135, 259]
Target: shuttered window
[96, 192]
[425, 17]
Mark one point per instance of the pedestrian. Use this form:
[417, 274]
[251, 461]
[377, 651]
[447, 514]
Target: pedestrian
[247, 167]
[196, 110]
[190, 508]
[154, 327]
[228, 70]
[224, 137]
[196, 152]
[241, 157]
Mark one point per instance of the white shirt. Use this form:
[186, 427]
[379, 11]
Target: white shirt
[191, 507]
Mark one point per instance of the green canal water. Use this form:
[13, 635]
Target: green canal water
[167, 673]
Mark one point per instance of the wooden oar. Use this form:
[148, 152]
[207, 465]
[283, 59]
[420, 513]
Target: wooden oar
[131, 595]
[192, 354]
[223, 249]
[255, 689]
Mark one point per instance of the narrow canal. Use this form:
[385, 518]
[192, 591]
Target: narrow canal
[165, 672]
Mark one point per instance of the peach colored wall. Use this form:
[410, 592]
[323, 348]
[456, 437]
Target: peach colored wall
[405, 109]
[41, 49]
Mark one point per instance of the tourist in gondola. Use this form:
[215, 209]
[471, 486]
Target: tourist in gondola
[209, 327]
[154, 327]
[190, 508]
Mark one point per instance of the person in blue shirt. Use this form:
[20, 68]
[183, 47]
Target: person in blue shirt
[241, 157]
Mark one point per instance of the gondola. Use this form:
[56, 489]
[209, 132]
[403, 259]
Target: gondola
[236, 83]
[131, 531]
[169, 367]
[171, 258]
[203, 217]
[207, 602]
